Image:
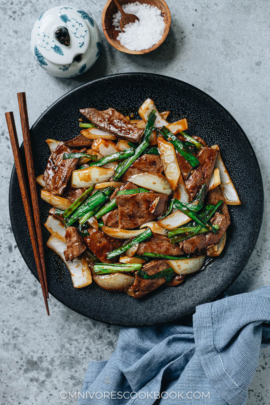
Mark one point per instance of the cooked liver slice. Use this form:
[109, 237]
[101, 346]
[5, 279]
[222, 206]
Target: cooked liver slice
[134, 209]
[145, 163]
[75, 244]
[100, 244]
[159, 244]
[112, 121]
[58, 171]
[111, 219]
[141, 287]
[200, 243]
[202, 174]
[79, 142]
[74, 193]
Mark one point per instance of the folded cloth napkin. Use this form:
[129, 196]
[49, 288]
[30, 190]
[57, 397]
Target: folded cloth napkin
[211, 362]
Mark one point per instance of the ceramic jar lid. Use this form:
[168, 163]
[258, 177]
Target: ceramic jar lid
[64, 40]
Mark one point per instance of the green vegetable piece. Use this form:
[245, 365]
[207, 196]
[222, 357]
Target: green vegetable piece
[189, 138]
[140, 238]
[76, 204]
[138, 152]
[179, 146]
[86, 125]
[78, 155]
[160, 274]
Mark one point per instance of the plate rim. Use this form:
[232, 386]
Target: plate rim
[13, 172]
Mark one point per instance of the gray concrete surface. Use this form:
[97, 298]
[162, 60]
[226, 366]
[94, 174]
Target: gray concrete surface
[220, 46]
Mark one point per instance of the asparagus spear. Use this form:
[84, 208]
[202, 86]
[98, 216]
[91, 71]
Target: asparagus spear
[192, 140]
[198, 230]
[102, 268]
[182, 207]
[160, 274]
[110, 206]
[74, 206]
[86, 125]
[140, 238]
[87, 216]
[96, 200]
[112, 158]
[78, 155]
[169, 136]
[159, 256]
[145, 143]
[152, 151]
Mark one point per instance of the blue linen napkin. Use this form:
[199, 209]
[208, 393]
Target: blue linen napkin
[211, 362]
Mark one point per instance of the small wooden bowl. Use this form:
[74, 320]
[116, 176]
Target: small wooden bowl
[111, 34]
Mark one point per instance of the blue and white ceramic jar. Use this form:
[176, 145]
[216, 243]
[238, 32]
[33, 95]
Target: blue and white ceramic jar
[65, 41]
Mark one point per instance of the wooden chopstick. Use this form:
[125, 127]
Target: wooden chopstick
[25, 198]
[32, 181]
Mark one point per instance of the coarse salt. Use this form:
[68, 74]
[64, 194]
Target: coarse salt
[142, 34]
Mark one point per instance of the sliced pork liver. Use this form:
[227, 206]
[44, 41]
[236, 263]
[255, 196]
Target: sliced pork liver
[100, 244]
[159, 244]
[134, 209]
[112, 121]
[79, 142]
[58, 171]
[202, 174]
[75, 244]
[111, 219]
[145, 163]
[141, 287]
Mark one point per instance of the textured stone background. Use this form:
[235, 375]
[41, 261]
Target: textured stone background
[222, 47]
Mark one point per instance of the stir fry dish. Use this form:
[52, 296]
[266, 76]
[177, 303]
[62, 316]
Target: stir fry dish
[136, 203]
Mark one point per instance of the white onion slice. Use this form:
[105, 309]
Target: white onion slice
[181, 193]
[122, 145]
[187, 266]
[95, 133]
[141, 124]
[126, 259]
[132, 251]
[215, 179]
[80, 273]
[114, 184]
[216, 250]
[226, 185]
[104, 147]
[114, 282]
[111, 165]
[89, 176]
[55, 200]
[93, 223]
[174, 220]
[121, 233]
[52, 143]
[56, 228]
[155, 228]
[178, 126]
[165, 114]
[169, 161]
[145, 110]
[40, 180]
[152, 181]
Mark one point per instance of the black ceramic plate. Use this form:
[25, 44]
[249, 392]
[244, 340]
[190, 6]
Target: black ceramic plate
[206, 118]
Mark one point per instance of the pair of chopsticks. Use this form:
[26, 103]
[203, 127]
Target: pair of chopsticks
[33, 220]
